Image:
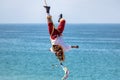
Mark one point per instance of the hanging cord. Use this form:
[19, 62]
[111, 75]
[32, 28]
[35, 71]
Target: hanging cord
[45, 2]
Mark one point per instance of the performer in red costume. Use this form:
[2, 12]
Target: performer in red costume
[58, 45]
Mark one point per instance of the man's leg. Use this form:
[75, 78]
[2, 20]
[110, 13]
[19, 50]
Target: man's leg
[52, 31]
[61, 24]
[49, 20]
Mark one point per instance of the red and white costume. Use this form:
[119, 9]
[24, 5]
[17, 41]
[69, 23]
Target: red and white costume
[56, 34]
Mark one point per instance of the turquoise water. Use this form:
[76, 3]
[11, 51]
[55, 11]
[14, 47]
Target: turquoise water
[24, 52]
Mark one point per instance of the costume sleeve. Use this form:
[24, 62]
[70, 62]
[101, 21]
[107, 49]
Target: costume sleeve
[51, 49]
[67, 47]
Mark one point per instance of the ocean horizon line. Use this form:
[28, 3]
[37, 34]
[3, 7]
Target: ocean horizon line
[58, 23]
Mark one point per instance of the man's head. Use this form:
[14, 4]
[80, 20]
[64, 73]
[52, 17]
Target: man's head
[58, 52]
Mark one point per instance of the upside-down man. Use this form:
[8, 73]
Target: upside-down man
[58, 45]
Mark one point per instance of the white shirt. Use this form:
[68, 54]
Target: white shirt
[59, 41]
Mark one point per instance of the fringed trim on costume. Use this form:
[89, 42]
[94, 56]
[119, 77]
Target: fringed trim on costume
[48, 17]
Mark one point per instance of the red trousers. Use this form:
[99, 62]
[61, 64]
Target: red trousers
[54, 32]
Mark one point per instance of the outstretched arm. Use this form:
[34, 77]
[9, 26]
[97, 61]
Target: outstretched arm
[75, 46]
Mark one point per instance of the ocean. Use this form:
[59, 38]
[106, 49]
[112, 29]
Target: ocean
[25, 55]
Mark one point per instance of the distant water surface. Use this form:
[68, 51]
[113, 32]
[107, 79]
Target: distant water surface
[24, 52]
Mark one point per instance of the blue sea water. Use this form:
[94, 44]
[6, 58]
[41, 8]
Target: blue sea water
[24, 52]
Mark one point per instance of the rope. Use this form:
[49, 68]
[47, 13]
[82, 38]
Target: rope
[45, 2]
